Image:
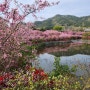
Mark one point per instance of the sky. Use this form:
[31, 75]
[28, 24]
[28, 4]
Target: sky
[65, 7]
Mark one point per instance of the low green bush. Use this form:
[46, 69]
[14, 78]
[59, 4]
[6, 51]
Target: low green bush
[62, 69]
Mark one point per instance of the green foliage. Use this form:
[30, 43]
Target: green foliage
[27, 55]
[46, 25]
[65, 20]
[46, 28]
[40, 46]
[61, 69]
[59, 28]
[87, 84]
[42, 29]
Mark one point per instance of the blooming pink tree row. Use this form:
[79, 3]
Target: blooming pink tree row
[49, 35]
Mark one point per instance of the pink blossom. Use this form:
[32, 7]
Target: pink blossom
[20, 54]
[2, 7]
[4, 55]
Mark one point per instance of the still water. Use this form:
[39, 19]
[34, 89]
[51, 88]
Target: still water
[74, 54]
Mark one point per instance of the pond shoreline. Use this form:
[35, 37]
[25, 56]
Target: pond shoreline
[55, 46]
[57, 43]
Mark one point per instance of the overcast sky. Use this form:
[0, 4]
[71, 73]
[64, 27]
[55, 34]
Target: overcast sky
[65, 7]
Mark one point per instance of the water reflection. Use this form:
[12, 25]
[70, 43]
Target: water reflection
[68, 49]
[82, 61]
[73, 50]
[76, 54]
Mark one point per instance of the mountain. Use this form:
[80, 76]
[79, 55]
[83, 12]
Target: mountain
[64, 20]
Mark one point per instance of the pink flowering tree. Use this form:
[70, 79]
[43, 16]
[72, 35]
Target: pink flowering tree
[13, 32]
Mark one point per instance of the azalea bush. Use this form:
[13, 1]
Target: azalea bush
[37, 79]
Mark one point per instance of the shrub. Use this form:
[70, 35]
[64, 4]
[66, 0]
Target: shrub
[59, 28]
[61, 69]
[37, 79]
[86, 35]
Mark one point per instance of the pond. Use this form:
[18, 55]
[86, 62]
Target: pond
[76, 52]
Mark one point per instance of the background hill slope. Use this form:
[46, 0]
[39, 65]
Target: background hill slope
[64, 20]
